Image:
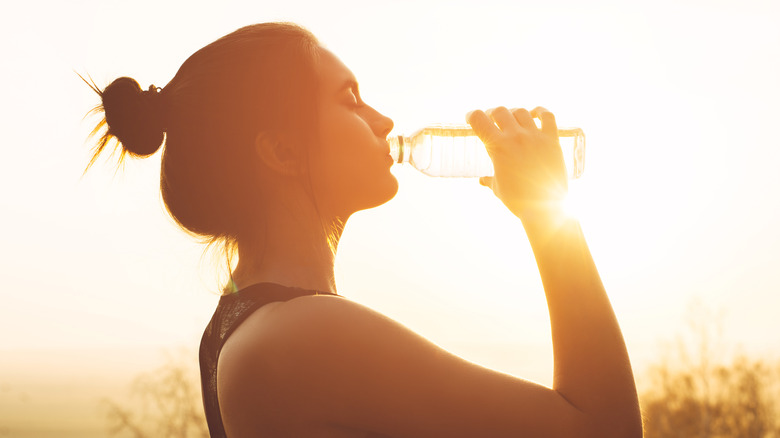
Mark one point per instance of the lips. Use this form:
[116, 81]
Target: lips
[387, 152]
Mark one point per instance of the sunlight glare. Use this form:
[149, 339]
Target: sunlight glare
[573, 203]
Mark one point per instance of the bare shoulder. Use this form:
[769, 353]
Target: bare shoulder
[281, 359]
[303, 319]
[330, 361]
[309, 329]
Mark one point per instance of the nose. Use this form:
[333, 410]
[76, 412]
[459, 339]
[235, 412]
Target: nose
[382, 125]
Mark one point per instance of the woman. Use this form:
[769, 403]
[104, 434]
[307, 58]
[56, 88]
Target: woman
[269, 149]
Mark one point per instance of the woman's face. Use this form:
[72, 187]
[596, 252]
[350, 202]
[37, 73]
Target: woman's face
[350, 168]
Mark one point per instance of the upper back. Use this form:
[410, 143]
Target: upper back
[232, 311]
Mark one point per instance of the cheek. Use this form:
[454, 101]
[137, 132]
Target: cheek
[342, 129]
[346, 141]
[343, 184]
[348, 171]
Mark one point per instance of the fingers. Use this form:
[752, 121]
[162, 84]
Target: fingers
[503, 118]
[481, 124]
[523, 117]
[484, 123]
[549, 126]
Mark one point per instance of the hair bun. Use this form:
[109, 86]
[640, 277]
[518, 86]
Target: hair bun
[134, 116]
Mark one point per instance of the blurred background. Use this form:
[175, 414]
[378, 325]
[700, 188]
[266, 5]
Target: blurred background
[104, 300]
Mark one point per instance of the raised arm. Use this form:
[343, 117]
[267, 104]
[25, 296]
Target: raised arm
[592, 368]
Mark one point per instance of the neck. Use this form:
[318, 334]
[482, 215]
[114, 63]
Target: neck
[293, 248]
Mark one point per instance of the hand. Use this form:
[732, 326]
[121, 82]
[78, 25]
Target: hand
[530, 175]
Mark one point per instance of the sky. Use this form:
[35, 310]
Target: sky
[679, 200]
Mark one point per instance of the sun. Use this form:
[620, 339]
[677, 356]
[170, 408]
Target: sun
[574, 203]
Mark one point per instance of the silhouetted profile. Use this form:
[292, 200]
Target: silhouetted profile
[269, 149]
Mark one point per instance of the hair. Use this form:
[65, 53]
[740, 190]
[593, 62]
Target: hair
[260, 78]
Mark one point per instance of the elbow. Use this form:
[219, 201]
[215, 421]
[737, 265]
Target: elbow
[630, 422]
[612, 431]
[623, 425]
[607, 417]
[626, 427]
[630, 429]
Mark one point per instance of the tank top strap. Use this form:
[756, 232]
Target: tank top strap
[231, 311]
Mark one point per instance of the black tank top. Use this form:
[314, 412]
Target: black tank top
[231, 311]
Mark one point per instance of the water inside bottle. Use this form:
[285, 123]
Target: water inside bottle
[450, 151]
[455, 151]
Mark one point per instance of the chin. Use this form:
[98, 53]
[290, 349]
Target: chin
[380, 193]
[392, 189]
[391, 194]
[388, 192]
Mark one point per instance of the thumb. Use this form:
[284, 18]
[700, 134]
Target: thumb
[486, 181]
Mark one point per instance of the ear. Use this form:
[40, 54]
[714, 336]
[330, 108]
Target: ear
[277, 154]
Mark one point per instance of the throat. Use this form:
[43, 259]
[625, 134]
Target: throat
[303, 259]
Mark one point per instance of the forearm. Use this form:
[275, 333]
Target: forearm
[592, 368]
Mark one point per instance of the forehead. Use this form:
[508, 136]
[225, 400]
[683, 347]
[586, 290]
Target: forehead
[332, 72]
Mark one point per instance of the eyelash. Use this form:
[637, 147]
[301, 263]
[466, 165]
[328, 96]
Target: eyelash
[357, 101]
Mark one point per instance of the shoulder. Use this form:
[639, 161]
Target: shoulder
[302, 318]
[298, 329]
[329, 361]
[313, 357]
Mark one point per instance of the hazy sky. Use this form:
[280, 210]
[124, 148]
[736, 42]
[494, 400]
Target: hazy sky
[679, 201]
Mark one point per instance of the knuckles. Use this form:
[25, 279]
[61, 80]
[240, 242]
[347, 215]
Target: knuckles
[501, 128]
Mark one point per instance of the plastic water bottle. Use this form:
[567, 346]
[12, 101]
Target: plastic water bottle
[455, 151]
